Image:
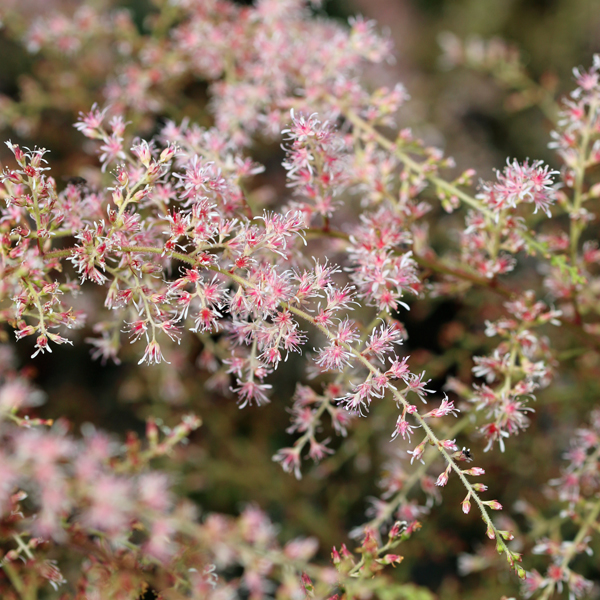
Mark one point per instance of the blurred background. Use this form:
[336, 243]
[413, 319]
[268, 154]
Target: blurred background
[461, 101]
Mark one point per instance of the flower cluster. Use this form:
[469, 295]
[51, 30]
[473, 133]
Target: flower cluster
[576, 489]
[182, 243]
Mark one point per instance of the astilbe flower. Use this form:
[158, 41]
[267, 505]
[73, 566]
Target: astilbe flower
[178, 244]
[382, 277]
[261, 295]
[575, 490]
[520, 365]
[315, 164]
[521, 183]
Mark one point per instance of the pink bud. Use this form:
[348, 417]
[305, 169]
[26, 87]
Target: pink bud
[117, 197]
[153, 170]
[167, 154]
[475, 471]
[11, 555]
[36, 159]
[151, 431]
[24, 331]
[139, 195]
[123, 178]
[466, 505]
[142, 151]
[417, 452]
[449, 445]
[390, 559]
[442, 480]
[14, 177]
[307, 583]
[19, 154]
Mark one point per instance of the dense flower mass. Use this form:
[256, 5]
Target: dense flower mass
[311, 279]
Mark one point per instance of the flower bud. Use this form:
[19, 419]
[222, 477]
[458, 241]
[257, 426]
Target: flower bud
[117, 197]
[139, 195]
[167, 154]
[307, 583]
[390, 559]
[474, 471]
[142, 151]
[466, 505]
[442, 480]
[122, 178]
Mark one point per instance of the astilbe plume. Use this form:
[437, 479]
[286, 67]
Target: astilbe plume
[180, 248]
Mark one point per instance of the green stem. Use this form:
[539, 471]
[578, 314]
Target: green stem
[38, 304]
[14, 578]
[580, 168]
[413, 479]
[483, 282]
[415, 166]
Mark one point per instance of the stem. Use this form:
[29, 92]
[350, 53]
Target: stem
[14, 578]
[310, 432]
[38, 304]
[484, 282]
[36, 211]
[26, 592]
[413, 479]
[580, 168]
[415, 166]
[22, 546]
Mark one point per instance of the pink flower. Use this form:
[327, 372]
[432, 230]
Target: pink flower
[90, 123]
[111, 150]
[289, 458]
[333, 357]
[153, 354]
[250, 391]
[402, 429]
[445, 408]
[442, 479]
[111, 503]
[417, 452]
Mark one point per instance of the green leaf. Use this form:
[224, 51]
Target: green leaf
[560, 261]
